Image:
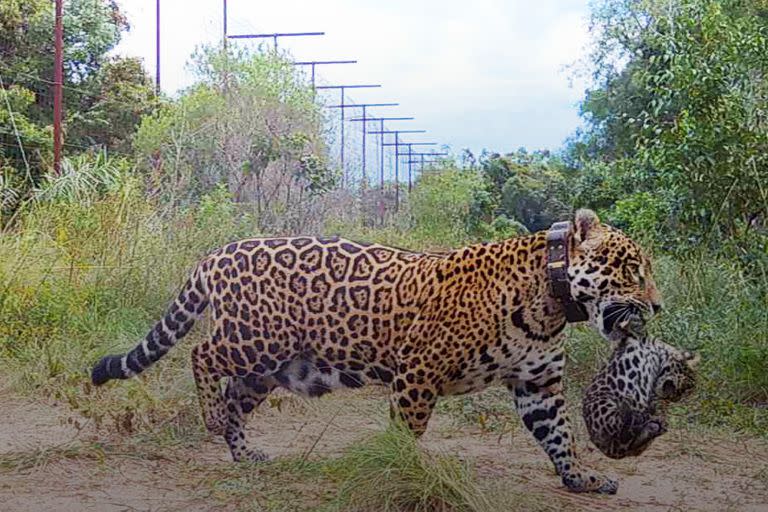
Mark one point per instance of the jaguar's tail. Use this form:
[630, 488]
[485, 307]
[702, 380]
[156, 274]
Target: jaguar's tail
[178, 320]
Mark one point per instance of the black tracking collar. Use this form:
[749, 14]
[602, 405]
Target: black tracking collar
[557, 272]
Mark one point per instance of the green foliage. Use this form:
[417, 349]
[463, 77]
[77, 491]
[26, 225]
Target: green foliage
[534, 189]
[84, 179]
[25, 148]
[104, 97]
[502, 227]
[679, 112]
[122, 94]
[88, 267]
[640, 213]
[451, 206]
[440, 205]
[92, 28]
[502, 197]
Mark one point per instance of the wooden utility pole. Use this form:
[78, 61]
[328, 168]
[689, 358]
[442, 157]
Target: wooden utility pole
[58, 82]
[157, 47]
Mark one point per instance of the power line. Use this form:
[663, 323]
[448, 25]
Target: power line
[35, 142]
[98, 97]
[15, 128]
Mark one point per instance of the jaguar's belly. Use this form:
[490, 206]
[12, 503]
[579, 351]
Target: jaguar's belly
[312, 377]
[539, 365]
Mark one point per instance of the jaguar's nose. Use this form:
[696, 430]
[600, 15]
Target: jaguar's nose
[656, 308]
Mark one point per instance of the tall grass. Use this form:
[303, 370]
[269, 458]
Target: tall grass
[720, 310]
[80, 278]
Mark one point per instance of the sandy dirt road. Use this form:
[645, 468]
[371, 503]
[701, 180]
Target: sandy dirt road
[46, 464]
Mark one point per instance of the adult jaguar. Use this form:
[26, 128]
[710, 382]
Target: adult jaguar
[315, 314]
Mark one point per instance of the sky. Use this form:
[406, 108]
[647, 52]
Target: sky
[485, 74]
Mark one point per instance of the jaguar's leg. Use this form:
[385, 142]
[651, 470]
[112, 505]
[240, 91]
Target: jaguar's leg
[544, 414]
[209, 393]
[244, 394]
[412, 402]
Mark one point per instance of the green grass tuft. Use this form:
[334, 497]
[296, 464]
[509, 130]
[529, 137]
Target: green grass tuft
[390, 473]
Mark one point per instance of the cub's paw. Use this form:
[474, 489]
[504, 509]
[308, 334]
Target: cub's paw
[655, 427]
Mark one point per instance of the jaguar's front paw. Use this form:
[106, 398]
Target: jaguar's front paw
[584, 481]
[250, 455]
[216, 426]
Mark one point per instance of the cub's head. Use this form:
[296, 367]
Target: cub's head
[677, 377]
[609, 274]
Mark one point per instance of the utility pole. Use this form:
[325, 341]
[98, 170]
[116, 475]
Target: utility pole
[342, 106]
[225, 24]
[397, 145]
[58, 82]
[410, 159]
[421, 160]
[364, 119]
[381, 139]
[157, 47]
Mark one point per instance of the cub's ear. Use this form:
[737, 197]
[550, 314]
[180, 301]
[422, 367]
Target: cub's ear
[585, 223]
[692, 359]
[632, 327]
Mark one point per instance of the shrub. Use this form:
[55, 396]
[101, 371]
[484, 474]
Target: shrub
[440, 205]
[390, 473]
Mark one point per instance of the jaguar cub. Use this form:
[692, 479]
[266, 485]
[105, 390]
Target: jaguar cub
[621, 404]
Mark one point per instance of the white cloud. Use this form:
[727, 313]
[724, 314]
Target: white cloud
[488, 73]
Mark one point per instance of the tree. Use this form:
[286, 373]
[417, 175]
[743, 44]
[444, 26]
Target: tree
[527, 187]
[92, 28]
[679, 112]
[251, 124]
[104, 96]
[123, 93]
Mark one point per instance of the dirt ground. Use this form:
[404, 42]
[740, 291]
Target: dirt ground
[684, 470]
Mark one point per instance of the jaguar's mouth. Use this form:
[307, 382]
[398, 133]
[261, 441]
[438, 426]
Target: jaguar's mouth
[620, 313]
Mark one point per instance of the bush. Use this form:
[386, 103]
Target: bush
[251, 124]
[440, 206]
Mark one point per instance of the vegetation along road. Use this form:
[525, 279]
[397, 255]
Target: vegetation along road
[673, 150]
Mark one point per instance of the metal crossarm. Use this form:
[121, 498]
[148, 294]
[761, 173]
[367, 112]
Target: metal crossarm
[314, 63]
[274, 36]
[382, 118]
[397, 132]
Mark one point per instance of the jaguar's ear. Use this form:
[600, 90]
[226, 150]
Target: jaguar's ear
[585, 224]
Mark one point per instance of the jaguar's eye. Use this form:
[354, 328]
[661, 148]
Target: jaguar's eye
[636, 274]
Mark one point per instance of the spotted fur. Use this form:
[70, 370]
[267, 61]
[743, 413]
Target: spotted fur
[316, 314]
[621, 404]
